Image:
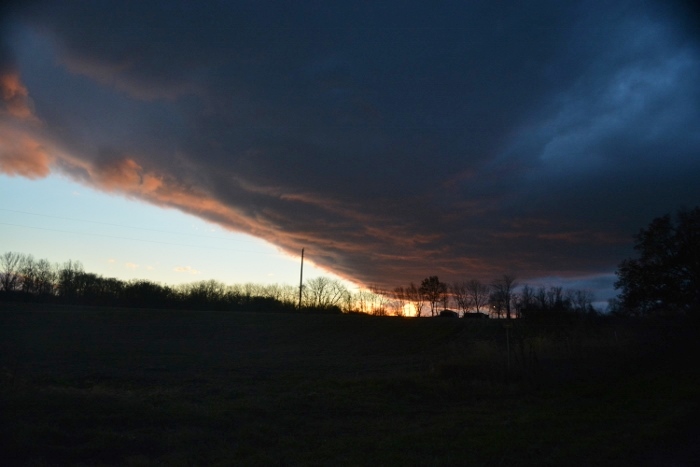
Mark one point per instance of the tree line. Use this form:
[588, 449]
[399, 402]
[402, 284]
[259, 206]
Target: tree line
[501, 298]
[663, 279]
[24, 278]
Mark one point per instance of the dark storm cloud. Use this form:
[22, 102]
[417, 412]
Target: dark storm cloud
[392, 141]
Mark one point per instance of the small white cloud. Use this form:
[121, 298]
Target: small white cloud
[150, 268]
[187, 269]
[111, 260]
[132, 265]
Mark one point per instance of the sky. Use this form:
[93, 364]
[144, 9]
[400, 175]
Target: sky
[391, 140]
[59, 220]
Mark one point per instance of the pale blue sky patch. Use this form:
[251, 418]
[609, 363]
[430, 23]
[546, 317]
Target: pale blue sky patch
[60, 220]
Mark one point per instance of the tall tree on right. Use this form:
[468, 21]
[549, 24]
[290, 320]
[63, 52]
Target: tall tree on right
[665, 275]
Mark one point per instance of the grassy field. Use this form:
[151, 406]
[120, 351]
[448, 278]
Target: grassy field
[83, 386]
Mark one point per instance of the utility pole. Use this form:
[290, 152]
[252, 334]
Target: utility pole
[301, 277]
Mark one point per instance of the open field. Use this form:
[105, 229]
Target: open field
[143, 387]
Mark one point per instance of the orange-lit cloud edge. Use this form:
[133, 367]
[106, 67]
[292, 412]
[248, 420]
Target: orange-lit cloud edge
[27, 150]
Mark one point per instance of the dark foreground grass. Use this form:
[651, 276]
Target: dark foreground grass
[125, 387]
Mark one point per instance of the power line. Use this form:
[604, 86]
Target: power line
[140, 239]
[119, 225]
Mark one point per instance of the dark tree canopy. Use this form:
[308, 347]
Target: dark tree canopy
[434, 292]
[665, 277]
